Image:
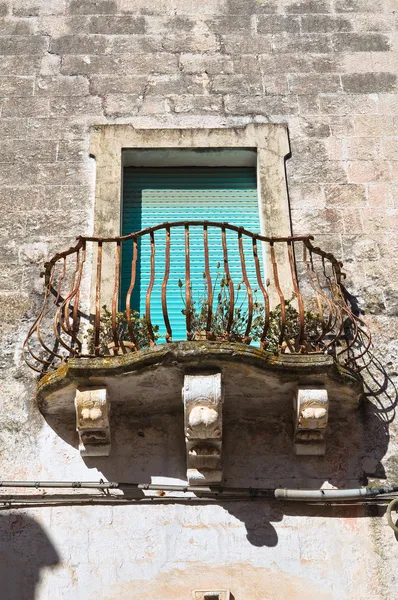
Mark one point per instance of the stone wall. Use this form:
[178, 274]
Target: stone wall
[327, 68]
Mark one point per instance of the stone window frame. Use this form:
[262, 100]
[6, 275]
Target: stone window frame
[270, 140]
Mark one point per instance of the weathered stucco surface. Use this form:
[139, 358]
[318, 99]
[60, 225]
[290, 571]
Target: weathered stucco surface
[327, 69]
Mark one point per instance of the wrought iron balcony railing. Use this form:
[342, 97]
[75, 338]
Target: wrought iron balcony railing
[194, 280]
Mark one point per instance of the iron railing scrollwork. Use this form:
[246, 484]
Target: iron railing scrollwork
[293, 301]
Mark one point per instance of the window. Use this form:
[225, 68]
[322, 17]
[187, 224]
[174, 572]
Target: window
[116, 148]
[154, 195]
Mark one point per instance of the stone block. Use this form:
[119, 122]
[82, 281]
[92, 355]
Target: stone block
[360, 42]
[72, 151]
[341, 126]
[34, 8]
[212, 64]
[309, 84]
[346, 104]
[90, 64]
[394, 171]
[360, 83]
[28, 151]
[373, 125]
[155, 105]
[275, 85]
[30, 45]
[307, 6]
[307, 195]
[228, 84]
[81, 44]
[36, 198]
[277, 24]
[177, 84]
[59, 85]
[359, 62]
[109, 25]
[318, 172]
[11, 277]
[50, 65]
[59, 174]
[237, 7]
[249, 44]
[20, 65]
[380, 194]
[357, 6]
[25, 27]
[16, 86]
[294, 63]
[248, 64]
[309, 105]
[390, 148]
[92, 7]
[334, 148]
[361, 247]
[316, 221]
[197, 104]
[261, 105]
[13, 128]
[307, 148]
[388, 103]
[137, 44]
[324, 24]
[368, 171]
[25, 107]
[374, 22]
[306, 43]
[117, 84]
[159, 25]
[227, 25]
[345, 195]
[75, 105]
[118, 105]
[381, 221]
[54, 129]
[352, 221]
[189, 42]
[362, 148]
[315, 127]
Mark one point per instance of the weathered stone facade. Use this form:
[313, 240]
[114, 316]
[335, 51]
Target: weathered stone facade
[326, 68]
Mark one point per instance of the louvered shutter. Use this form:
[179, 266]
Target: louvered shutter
[156, 195]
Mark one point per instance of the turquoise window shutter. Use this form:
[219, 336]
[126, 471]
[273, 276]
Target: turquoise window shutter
[155, 195]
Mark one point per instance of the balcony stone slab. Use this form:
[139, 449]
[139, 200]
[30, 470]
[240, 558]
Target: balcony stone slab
[150, 381]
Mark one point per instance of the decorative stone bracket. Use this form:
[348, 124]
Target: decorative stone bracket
[311, 409]
[92, 421]
[202, 397]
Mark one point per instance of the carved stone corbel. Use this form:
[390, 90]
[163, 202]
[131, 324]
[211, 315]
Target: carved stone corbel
[311, 409]
[92, 421]
[202, 397]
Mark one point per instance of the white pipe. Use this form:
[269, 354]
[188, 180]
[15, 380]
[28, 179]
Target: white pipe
[316, 495]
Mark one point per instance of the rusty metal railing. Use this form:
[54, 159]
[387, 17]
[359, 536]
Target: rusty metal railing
[281, 294]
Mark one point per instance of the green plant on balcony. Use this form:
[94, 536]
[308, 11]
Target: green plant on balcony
[106, 341]
[221, 315]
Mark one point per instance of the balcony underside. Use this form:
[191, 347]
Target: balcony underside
[150, 381]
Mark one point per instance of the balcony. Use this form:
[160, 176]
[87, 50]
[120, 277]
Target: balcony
[138, 315]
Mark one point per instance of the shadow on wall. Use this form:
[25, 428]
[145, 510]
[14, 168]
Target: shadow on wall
[25, 550]
[258, 452]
